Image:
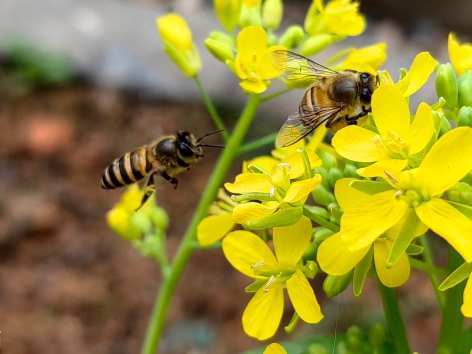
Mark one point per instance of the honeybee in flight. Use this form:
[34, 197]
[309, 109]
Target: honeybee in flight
[167, 157]
[335, 98]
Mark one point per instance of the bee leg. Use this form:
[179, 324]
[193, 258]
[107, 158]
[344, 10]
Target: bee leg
[174, 181]
[149, 189]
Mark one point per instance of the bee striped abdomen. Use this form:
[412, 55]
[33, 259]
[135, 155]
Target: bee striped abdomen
[126, 169]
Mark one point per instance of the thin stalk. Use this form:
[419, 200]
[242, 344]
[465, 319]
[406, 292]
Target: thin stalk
[258, 143]
[161, 306]
[394, 319]
[452, 320]
[217, 121]
[276, 94]
[428, 258]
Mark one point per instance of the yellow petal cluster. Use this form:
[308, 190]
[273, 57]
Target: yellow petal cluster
[367, 59]
[459, 54]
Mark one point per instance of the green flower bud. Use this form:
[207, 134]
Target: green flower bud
[316, 44]
[272, 12]
[322, 233]
[159, 218]
[250, 16]
[282, 217]
[221, 45]
[354, 339]
[350, 170]
[464, 117]
[316, 212]
[461, 193]
[310, 269]
[329, 160]
[446, 84]
[272, 38]
[324, 175]
[322, 196]
[334, 285]
[442, 123]
[142, 222]
[333, 175]
[292, 37]
[465, 89]
[317, 349]
[377, 335]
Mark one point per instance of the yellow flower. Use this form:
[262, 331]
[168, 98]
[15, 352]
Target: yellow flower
[459, 54]
[270, 199]
[398, 138]
[250, 255]
[339, 17]
[467, 299]
[178, 43]
[415, 195]
[254, 63]
[274, 348]
[367, 59]
[337, 257]
[228, 12]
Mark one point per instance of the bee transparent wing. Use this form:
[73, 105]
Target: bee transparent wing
[296, 67]
[299, 125]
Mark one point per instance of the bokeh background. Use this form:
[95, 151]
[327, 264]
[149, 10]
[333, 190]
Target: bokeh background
[82, 81]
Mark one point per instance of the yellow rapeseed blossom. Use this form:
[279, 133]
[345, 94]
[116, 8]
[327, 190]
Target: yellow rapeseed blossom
[367, 59]
[270, 199]
[250, 255]
[459, 54]
[177, 38]
[254, 64]
[228, 12]
[274, 348]
[415, 196]
[336, 257]
[338, 17]
[398, 138]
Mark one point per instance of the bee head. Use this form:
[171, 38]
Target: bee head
[368, 83]
[188, 148]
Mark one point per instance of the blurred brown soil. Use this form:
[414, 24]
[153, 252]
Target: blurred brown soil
[69, 285]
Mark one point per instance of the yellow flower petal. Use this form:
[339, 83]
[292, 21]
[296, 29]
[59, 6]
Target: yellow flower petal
[274, 348]
[290, 242]
[396, 275]
[378, 169]
[303, 298]
[253, 86]
[250, 183]
[343, 18]
[368, 220]
[297, 164]
[448, 161]
[174, 30]
[449, 223]
[466, 308]
[422, 128]
[422, 67]
[459, 54]
[391, 112]
[251, 40]
[317, 138]
[347, 196]
[251, 211]
[359, 144]
[264, 163]
[248, 253]
[263, 313]
[213, 228]
[372, 57]
[335, 257]
[299, 190]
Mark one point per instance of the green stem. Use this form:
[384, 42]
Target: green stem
[428, 258]
[394, 319]
[452, 321]
[211, 108]
[276, 94]
[258, 143]
[159, 312]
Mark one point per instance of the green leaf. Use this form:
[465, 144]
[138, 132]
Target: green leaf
[360, 273]
[457, 276]
[414, 249]
[404, 237]
[370, 187]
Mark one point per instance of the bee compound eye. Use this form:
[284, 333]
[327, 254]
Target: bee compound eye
[185, 150]
[365, 76]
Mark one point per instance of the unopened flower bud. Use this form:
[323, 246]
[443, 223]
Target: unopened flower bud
[315, 212]
[354, 339]
[321, 234]
[350, 170]
[178, 44]
[292, 37]
[377, 335]
[329, 159]
[228, 12]
[334, 285]
[323, 196]
[464, 117]
[159, 218]
[272, 12]
[310, 269]
[221, 45]
[316, 44]
[461, 193]
[465, 89]
[250, 14]
[334, 174]
[317, 349]
[446, 84]
[443, 123]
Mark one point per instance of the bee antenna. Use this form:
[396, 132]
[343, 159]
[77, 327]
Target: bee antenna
[212, 146]
[214, 132]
